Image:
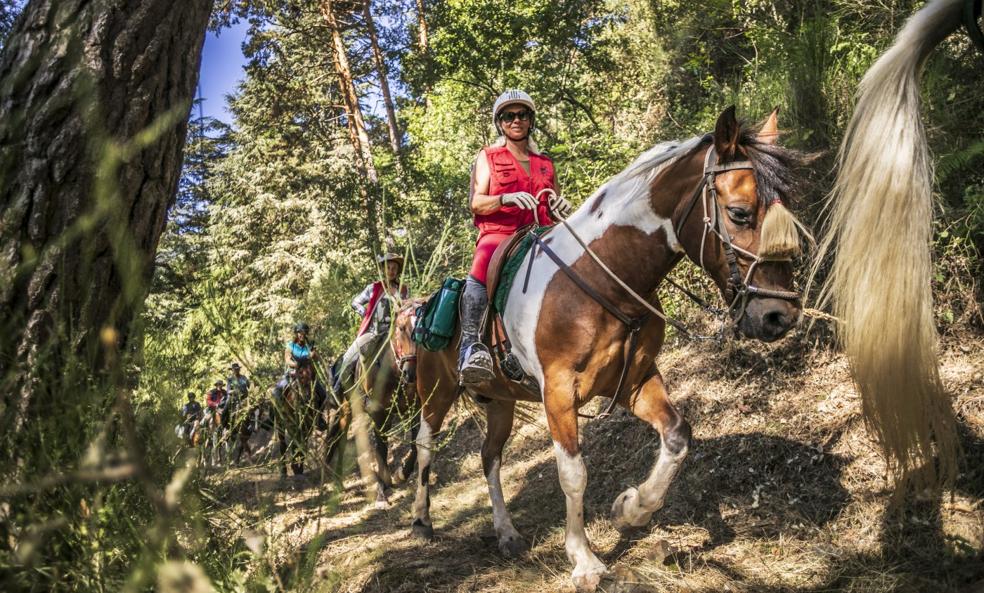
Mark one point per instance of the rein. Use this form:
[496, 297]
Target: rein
[741, 288]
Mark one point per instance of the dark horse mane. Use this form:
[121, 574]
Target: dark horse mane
[780, 172]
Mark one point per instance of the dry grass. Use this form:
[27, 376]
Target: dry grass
[783, 491]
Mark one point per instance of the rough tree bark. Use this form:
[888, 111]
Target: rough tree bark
[82, 203]
[356, 124]
[377, 55]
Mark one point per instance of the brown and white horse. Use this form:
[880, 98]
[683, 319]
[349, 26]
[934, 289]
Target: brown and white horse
[639, 224]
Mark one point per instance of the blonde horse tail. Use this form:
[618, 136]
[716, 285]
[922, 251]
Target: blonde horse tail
[879, 231]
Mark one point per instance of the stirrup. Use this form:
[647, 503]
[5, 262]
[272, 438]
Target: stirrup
[476, 366]
[511, 368]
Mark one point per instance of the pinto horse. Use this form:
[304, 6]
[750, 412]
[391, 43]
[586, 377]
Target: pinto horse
[881, 214]
[294, 416]
[715, 199]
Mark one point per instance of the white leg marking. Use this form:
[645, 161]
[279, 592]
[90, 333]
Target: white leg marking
[508, 536]
[588, 570]
[635, 506]
[421, 503]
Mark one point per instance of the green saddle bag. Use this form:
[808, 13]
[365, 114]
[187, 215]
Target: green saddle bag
[437, 318]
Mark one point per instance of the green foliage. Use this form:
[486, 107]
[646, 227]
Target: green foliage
[270, 225]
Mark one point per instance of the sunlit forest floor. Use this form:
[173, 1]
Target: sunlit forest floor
[783, 491]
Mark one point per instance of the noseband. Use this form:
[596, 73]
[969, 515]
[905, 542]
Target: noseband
[739, 288]
[403, 360]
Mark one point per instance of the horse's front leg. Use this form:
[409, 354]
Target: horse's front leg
[410, 459]
[433, 410]
[562, 420]
[500, 421]
[281, 430]
[635, 506]
[383, 479]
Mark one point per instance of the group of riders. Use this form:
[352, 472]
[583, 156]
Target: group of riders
[512, 186]
[220, 402]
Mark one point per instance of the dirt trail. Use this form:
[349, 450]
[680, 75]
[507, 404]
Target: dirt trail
[783, 491]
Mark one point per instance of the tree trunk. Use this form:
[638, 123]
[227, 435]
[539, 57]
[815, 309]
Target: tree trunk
[356, 124]
[421, 28]
[377, 54]
[94, 101]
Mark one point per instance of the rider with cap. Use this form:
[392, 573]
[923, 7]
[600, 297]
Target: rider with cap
[506, 184]
[238, 384]
[191, 412]
[236, 395]
[375, 304]
[300, 350]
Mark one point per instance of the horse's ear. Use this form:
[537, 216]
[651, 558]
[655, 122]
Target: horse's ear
[770, 129]
[726, 134]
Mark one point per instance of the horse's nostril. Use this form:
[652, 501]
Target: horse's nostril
[775, 320]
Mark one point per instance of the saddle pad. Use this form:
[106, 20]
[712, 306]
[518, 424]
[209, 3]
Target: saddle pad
[512, 267]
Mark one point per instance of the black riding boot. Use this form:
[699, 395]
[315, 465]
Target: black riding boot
[474, 360]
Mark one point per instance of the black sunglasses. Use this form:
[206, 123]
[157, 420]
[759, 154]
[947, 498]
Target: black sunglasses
[508, 116]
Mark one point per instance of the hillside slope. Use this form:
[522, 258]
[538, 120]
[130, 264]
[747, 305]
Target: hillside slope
[783, 491]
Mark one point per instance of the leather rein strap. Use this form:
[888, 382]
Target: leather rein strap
[740, 288]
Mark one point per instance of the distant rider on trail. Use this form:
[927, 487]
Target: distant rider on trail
[191, 413]
[300, 350]
[375, 304]
[238, 384]
[216, 396]
[237, 393]
[506, 178]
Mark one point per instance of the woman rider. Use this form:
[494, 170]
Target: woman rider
[375, 305]
[297, 351]
[506, 177]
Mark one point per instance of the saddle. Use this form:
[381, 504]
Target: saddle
[502, 272]
[500, 257]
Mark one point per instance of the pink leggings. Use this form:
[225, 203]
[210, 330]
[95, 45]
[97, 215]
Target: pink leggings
[487, 242]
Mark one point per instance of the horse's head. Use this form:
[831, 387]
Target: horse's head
[738, 229]
[404, 347]
[304, 371]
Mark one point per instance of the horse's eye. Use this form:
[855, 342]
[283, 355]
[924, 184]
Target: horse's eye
[739, 216]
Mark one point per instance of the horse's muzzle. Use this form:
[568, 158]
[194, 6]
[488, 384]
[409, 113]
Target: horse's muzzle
[768, 319]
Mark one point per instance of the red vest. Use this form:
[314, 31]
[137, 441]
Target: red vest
[507, 176]
[377, 293]
[214, 398]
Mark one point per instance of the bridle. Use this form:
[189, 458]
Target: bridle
[404, 361]
[303, 378]
[739, 288]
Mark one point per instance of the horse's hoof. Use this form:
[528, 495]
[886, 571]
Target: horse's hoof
[587, 581]
[626, 513]
[421, 531]
[513, 547]
[382, 505]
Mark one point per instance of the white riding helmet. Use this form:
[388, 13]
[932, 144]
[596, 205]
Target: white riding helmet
[508, 98]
